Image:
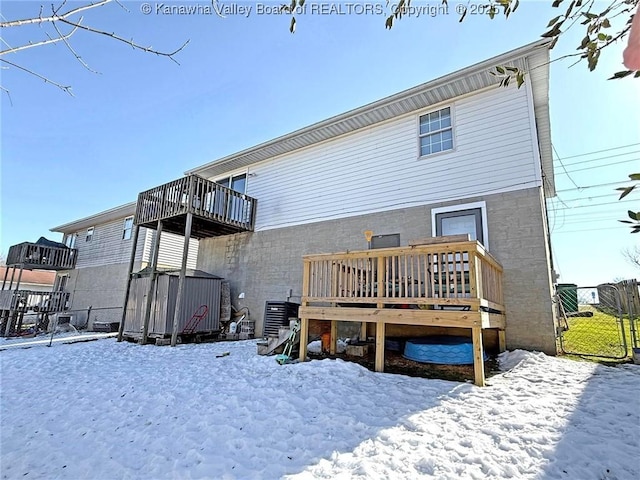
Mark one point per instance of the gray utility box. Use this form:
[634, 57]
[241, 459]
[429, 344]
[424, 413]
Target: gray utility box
[199, 313]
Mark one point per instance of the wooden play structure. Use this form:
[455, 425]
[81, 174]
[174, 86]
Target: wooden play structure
[439, 282]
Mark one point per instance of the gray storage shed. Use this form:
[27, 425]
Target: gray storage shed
[200, 311]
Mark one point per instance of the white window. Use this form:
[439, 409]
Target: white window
[70, 240]
[89, 234]
[436, 132]
[470, 218]
[128, 227]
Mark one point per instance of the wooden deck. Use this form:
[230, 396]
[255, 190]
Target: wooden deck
[215, 210]
[24, 301]
[40, 257]
[457, 284]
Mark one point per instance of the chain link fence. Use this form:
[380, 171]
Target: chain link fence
[599, 321]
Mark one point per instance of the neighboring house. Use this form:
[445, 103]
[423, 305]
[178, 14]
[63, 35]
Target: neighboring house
[35, 280]
[104, 243]
[458, 154]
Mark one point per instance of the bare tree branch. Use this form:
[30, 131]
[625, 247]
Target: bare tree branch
[55, 17]
[64, 88]
[632, 255]
[62, 38]
[73, 52]
[10, 100]
[60, 15]
[131, 43]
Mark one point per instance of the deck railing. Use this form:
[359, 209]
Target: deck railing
[42, 257]
[459, 274]
[32, 300]
[199, 196]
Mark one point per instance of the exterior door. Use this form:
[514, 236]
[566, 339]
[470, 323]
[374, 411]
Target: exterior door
[461, 222]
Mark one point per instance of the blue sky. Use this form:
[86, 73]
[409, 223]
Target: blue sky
[143, 120]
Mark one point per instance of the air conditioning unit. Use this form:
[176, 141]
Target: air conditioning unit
[64, 319]
[276, 315]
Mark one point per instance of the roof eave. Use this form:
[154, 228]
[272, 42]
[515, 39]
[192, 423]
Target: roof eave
[115, 213]
[347, 122]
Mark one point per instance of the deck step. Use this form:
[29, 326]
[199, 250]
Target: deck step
[273, 343]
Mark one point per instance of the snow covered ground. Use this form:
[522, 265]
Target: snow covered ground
[108, 410]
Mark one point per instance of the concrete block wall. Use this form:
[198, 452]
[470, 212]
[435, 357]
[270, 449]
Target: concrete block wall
[267, 265]
[102, 288]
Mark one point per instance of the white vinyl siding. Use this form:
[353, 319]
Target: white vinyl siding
[380, 168]
[108, 248]
[170, 254]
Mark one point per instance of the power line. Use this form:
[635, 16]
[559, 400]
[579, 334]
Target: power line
[600, 151]
[592, 197]
[600, 166]
[591, 230]
[599, 204]
[563, 167]
[610, 184]
[581, 162]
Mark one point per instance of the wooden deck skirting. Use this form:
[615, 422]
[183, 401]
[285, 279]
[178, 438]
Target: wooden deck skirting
[457, 285]
[216, 210]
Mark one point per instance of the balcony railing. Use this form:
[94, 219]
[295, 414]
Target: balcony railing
[35, 301]
[461, 274]
[205, 199]
[42, 257]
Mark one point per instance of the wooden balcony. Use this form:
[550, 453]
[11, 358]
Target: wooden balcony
[457, 285]
[216, 210]
[23, 301]
[42, 257]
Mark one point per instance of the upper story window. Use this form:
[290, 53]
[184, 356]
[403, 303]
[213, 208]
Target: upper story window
[70, 240]
[436, 132]
[89, 234]
[128, 227]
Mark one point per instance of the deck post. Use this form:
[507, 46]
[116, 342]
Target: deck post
[363, 331]
[19, 277]
[380, 333]
[304, 322]
[152, 283]
[304, 338]
[6, 274]
[334, 337]
[473, 275]
[13, 274]
[380, 326]
[478, 356]
[502, 340]
[181, 281]
[132, 260]
[13, 313]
